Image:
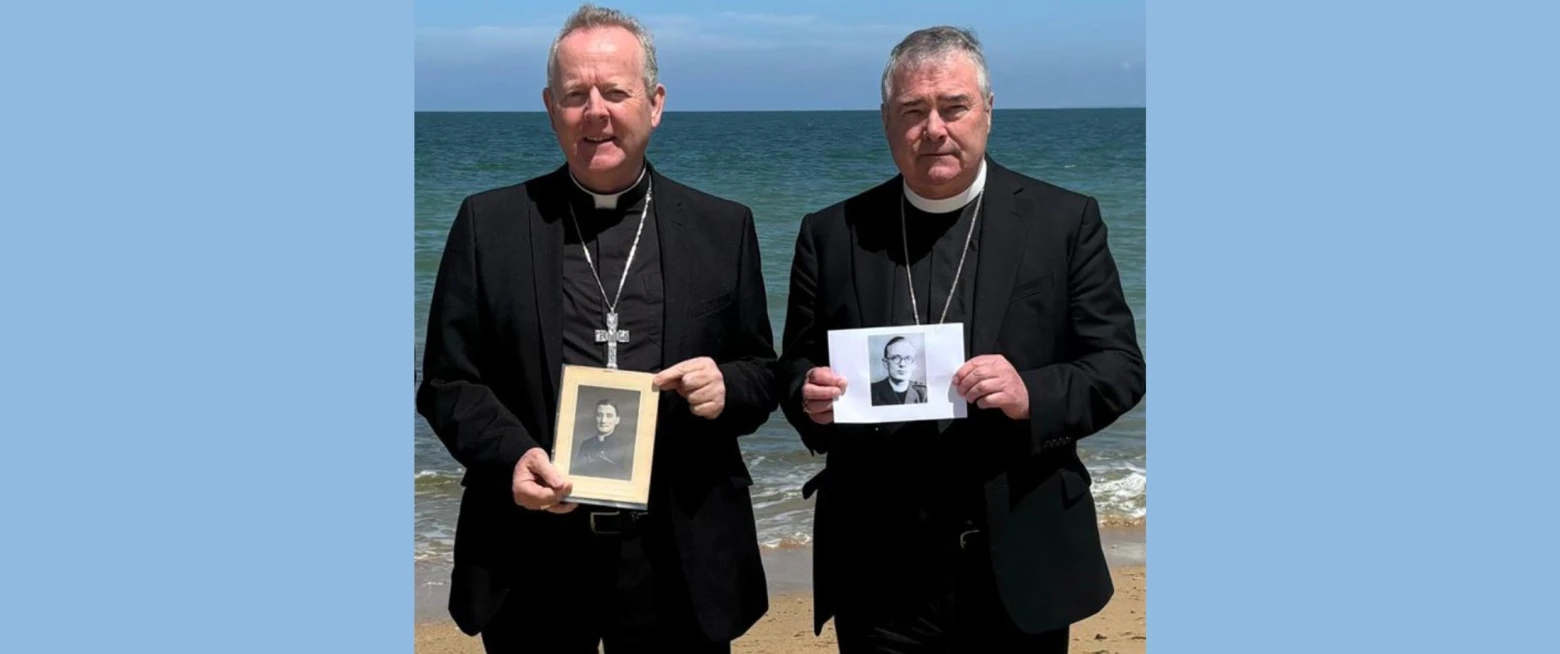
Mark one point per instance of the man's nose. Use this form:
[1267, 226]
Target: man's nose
[595, 105]
[935, 128]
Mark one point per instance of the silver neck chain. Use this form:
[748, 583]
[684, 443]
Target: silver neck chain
[954, 288]
[612, 303]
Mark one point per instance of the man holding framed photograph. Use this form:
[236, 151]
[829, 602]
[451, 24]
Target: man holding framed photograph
[603, 264]
[973, 534]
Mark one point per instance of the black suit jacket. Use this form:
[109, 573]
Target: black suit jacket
[490, 386]
[1048, 297]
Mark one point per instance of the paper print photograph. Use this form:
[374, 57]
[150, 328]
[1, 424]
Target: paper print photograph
[898, 370]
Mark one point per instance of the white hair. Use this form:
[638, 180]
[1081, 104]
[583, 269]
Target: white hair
[590, 16]
[937, 44]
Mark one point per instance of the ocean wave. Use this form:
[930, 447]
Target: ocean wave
[788, 477]
[794, 541]
[760, 504]
[1124, 496]
[440, 549]
[784, 519]
[428, 480]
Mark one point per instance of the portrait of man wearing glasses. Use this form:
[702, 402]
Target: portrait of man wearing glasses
[905, 382]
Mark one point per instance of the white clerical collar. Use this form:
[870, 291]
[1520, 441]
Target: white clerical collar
[609, 200]
[954, 203]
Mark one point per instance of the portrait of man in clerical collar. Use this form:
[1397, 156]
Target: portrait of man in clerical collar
[903, 378]
[604, 438]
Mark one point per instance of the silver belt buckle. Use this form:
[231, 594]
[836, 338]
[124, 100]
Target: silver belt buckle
[597, 530]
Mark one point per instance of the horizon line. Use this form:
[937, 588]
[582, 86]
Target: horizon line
[732, 111]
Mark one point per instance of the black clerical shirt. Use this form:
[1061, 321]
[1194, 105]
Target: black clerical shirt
[609, 233]
[935, 243]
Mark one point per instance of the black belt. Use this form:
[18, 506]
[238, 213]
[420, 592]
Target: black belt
[616, 523]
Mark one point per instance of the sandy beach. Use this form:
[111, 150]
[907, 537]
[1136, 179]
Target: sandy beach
[1120, 629]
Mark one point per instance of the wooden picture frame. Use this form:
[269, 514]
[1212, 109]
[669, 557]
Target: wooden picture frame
[605, 436]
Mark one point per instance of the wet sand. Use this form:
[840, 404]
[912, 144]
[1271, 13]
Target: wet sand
[1120, 629]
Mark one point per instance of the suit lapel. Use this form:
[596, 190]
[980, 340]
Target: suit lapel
[1002, 245]
[874, 226]
[547, 232]
[676, 266]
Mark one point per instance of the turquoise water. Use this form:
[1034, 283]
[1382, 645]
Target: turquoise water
[784, 165]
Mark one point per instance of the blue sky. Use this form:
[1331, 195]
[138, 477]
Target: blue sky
[490, 55]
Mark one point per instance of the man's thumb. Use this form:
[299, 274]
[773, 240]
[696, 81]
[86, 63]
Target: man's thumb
[547, 474]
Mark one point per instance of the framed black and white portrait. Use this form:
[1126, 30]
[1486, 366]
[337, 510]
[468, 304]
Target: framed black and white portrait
[606, 435]
[898, 374]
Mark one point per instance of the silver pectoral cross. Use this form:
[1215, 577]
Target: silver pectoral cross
[612, 336]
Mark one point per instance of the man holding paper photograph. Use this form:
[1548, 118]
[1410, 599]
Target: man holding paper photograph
[603, 262]
[976, 534]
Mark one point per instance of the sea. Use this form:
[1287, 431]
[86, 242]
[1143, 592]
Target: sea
[782, 165]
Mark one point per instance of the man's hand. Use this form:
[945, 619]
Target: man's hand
[991, 383]
[819, 393]
[700, 382]
[538, 486]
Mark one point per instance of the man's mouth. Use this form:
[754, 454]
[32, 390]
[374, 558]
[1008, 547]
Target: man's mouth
[598, 140]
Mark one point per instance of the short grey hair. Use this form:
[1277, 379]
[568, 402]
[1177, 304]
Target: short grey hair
[937, 44]
[590, 16]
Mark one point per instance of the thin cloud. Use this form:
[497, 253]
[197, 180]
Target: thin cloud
[474, 44]
[733, 32]
[770, 19]
[678, 39]
[657, 21]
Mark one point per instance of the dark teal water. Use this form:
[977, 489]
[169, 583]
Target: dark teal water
[783, 165]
